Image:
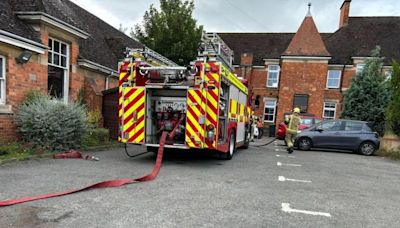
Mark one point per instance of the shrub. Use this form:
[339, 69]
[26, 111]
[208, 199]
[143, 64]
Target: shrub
[95, 137]
[94, 118]
[51, 123]
[33, 95]
[392, 111]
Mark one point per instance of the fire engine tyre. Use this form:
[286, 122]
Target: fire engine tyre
[231, 148]
[246, 140]
[152, 149]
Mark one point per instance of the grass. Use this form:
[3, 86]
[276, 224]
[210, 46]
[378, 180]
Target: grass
[393, 154]
[18, 151]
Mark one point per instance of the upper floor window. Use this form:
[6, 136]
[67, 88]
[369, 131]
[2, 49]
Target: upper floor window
[269, 110]
[333, 79]
[2, 80]
[58, 61]
[329, 110]
[273, 76]
[360, 68]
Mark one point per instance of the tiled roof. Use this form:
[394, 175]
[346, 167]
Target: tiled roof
[361, 35]
[307, 41]
[262, 45]
[105, 44]
[10, 23]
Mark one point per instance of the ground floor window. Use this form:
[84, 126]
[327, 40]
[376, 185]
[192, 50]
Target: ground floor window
[329, 110]
[269, 110]
[56, 82]
[301, 101]
[2, 80]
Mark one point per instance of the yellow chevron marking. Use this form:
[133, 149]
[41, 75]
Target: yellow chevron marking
[195, 124]
[193, 133]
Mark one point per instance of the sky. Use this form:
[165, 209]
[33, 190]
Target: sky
[245, 15]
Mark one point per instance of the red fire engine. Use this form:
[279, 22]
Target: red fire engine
[203, 106]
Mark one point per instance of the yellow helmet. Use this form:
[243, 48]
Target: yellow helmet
[296, 110]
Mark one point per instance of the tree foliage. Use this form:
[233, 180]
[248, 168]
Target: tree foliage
[368, 94]
[393, 109]
[171, 31]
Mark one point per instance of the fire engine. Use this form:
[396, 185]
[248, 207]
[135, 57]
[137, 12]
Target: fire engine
[202, 106]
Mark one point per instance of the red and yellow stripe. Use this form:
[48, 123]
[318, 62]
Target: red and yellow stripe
[132, 115]
[196, 110]
[212, 80]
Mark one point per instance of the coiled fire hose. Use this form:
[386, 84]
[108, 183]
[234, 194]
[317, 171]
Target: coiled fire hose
[104, 184]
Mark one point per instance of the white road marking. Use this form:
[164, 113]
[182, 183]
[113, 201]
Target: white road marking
[287, 156]
[282, 178]
[286, 208]
[276, 149]
[287, 164]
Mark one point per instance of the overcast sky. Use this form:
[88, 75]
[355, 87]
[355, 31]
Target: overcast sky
[246, 15]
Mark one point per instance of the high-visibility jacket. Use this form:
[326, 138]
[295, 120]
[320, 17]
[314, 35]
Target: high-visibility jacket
[293, 126]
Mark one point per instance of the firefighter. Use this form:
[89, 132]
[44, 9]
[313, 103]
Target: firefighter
[292, 129]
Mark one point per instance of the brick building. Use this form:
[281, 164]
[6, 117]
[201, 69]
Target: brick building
[57, 47]
[309, 69]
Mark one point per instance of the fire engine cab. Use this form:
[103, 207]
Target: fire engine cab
[202, 106]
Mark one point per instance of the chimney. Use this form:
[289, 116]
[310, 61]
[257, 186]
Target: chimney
[344, 13]
[246, 59]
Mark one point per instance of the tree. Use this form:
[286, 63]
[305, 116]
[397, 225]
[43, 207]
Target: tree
[368, 94]
[393, 109]
[172, 31]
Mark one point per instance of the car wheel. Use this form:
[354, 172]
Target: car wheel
[231, 148]
[367, 148]
[304, 144]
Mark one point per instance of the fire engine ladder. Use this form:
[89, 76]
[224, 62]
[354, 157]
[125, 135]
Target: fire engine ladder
[213, 46]
[150, 56]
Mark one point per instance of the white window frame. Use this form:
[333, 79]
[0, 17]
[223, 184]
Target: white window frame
[329, 109]
[274, 71]
[66, 68]
[3, 85]
[360, 68]
[274, 107]
[327, 79]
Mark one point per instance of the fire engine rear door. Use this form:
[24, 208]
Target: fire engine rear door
[195, 118]
[133, 114]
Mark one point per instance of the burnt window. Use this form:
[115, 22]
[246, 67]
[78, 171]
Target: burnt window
[301, 101]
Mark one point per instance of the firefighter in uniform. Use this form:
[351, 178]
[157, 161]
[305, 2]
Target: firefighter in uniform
[292, 129]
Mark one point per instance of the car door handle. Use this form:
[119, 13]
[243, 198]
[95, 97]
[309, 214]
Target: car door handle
[337, 133]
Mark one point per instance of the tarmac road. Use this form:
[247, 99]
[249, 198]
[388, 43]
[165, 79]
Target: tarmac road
[259, 187]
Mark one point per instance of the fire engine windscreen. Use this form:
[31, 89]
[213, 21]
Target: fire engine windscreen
[167, 112]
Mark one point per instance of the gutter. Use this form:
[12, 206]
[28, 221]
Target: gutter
[97, 67]
[22, 42]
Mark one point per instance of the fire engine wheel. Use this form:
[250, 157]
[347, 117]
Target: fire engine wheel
[152, 149]
[231, 148]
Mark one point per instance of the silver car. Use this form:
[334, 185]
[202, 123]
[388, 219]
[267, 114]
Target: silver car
[339, 134]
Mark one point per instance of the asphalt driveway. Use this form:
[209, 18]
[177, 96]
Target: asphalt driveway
[260, 187]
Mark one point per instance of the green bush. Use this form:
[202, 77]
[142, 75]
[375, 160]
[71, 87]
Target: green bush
[51, 124]
[392, 111]
[95, 137]
[33, 95]
[94, 118]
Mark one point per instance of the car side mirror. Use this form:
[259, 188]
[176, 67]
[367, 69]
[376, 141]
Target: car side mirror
[320, 129]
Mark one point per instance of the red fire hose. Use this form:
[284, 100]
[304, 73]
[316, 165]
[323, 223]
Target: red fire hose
[104, 184]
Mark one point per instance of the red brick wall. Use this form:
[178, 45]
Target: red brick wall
[21, 78]
[302, 77]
